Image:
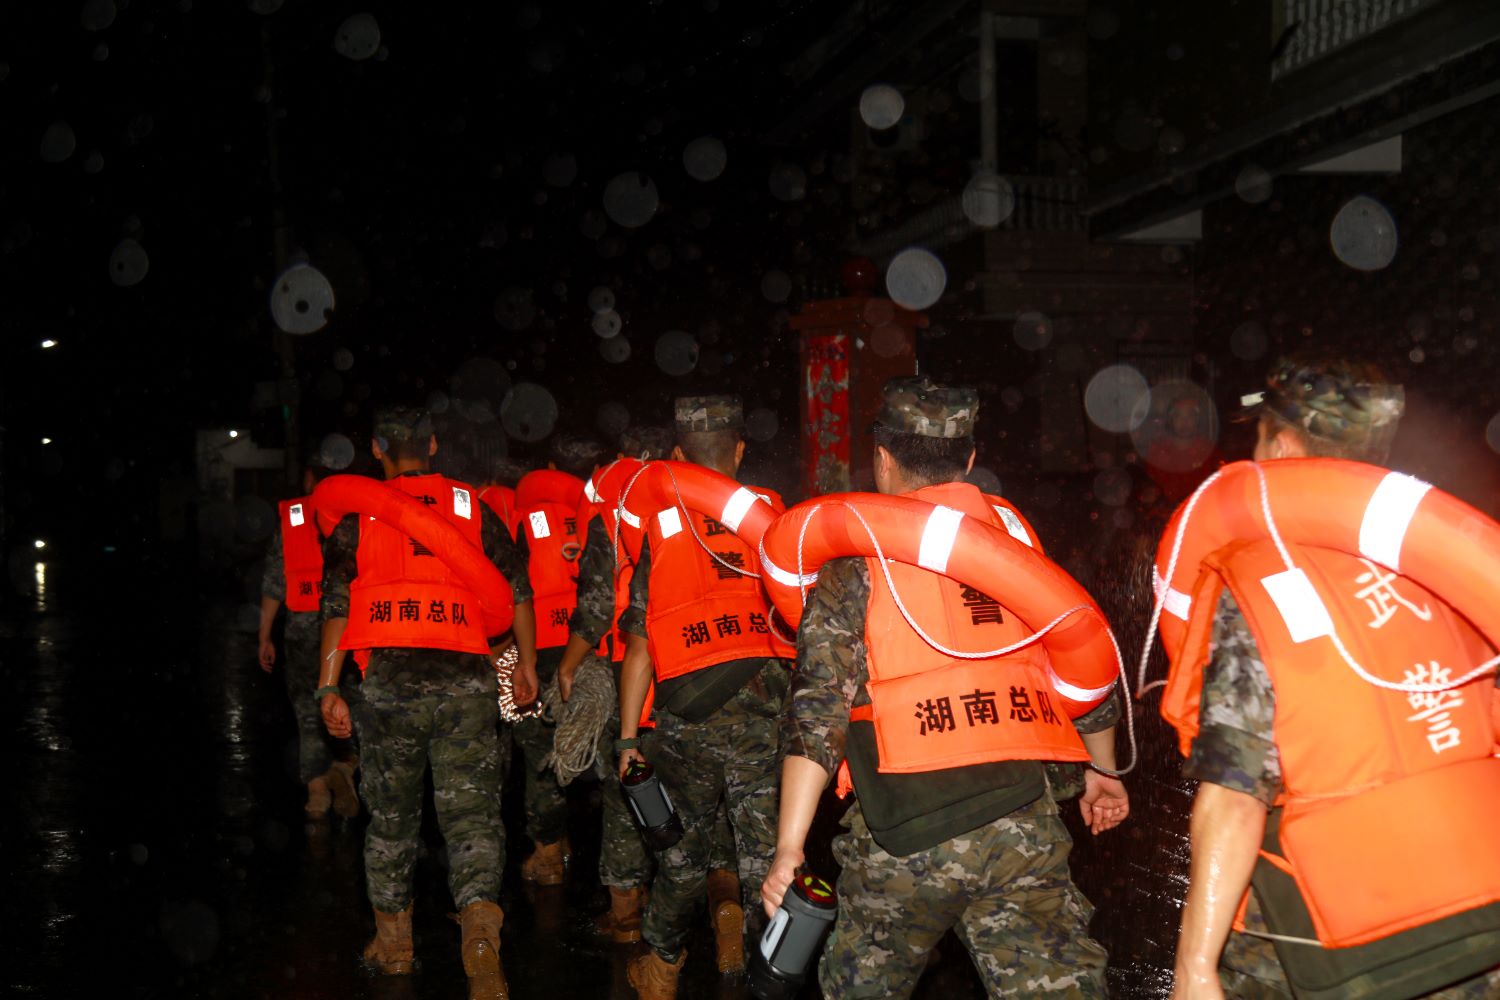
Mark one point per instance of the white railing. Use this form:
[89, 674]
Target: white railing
[1042, 204]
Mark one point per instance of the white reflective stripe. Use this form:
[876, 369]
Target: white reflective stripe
[1301, 608]
[1176, 603]
[938, 536]
[669, 521]
[462, 505]
[295, 513]
[591, 493]
[785, 577]
[736, 507]
[1013, 525]
[539, 526]
[629, 518]
[1387, 516]
[1075, 693]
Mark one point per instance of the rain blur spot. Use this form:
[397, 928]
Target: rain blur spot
[1011, 398]
[128, 263]
[358, 38]
[607, 323]
[775, 286]
[612, 418]
[1134, 131]
[915, 278]
[1102, 23]
[888, 340]
[514, 308]
[101, 52]
[1363, 234]
[1032, 331]
[1117, 398]
[630, 199]
[138, 854]
[560, 169]
[438, 402]
[336, 452]
[988, 199]
[1112, 487]
[788, 182]
[343, 359]
[529, 412]
[615, 350]
[94, 163]
[704, 158]
[264, 6]
[330, 386]
[881, 106]
[676, 352]
[762, 424]
[301, 300]
[254, 518]
[479, 385]
[97, 14]
[58, 142]
[1492, 433]
[190, 930]
[985, 480]
[601, 299]
[1180, 429]
[1248, 341]
[1253, 184]
[1170, 141]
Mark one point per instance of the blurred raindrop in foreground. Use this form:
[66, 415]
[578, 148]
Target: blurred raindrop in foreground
[128, 263]
[881, 106]
[336, 452]
[631, 200]
[529, 412]
[301, 300]
[704, 158]
[601, 299]
[358, 38]
[915, 278]
[761, 424]
[1032, 331]
[1117, 399]
[615, 350]
[58, 142]
[607, 323]
[1363, 234]
[988, 199]
[613, 418]
[676, 352]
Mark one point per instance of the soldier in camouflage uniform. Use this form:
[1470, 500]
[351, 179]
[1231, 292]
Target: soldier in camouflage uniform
[987, 858]
[1313, 406]
[715, 739]
[420, 707]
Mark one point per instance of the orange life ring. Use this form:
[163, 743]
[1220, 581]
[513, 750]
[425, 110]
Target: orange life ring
[659, 485]
[601, 495]
[339, 496]
[1084, 660]
[548, 486]
[1392, 519]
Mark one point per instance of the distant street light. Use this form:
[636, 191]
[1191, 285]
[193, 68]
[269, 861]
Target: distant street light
[47, 344]
[39, 544]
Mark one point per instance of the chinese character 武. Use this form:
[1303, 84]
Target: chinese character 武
[712, 527]
[1381, 597]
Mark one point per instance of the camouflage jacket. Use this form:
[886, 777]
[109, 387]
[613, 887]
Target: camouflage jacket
[595, 612]
[273, 577]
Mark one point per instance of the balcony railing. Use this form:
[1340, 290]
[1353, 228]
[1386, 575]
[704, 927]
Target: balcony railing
[1042, 204]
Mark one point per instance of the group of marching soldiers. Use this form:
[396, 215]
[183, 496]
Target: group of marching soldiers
[659, 619]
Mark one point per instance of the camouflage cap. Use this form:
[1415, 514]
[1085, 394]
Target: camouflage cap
[647, 443]
[709, 413]
[508, 471]
[576, 454]
[918, 405]
[1335, 400]
[398, 425]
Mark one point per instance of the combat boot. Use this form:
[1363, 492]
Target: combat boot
[548, 864]
[319, 798]
[390, 952]
[480, 923]
[653, 977]
[727, 918]
[340, 781]
[621, 923]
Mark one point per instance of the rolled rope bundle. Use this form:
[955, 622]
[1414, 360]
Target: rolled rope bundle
[581, 719]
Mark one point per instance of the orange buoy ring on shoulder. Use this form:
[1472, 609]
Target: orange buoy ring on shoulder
[659, 485]
[548, 486]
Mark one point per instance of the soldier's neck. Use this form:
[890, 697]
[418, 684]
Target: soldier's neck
[401, 467]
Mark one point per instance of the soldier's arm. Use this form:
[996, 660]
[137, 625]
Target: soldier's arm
[636, 672]
[339, 569]
[510, 559]
[594, 609]
[272, 593]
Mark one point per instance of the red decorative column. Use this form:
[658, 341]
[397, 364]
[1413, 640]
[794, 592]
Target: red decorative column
[850, 348]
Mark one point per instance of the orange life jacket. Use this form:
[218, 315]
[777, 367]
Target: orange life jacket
[403, 595]
[702, 611]
[933, 711]
[548, 501]
[502, 500]
[601, 495]
[1378, 782]
[301, 554]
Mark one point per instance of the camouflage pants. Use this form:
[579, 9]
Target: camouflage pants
[1250, 970]
[1006, 890]
[423, 707]
[316, 750]
[546, 807]
[729, 761]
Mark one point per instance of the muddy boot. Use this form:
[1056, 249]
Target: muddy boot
[389, 952]
[480, 923]
[727, 918]
[548, 864]
[621, 923]
[653, 977]
[340, 779]
[319, 798]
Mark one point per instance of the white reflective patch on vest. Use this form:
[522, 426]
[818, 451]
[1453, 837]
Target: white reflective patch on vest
[539, 526]
[937, 538]
[295, 513]
[669, 521]
[1013, 525]
[462, 505]
[1301, 608]
[1176, 603]
[591, 493]
[736, 508]
[1387, 516]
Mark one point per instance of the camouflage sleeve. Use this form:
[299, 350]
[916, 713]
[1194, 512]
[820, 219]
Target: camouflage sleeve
[273, 577]
[1236, 745]
[508, 556]
[595, 610]
[339, 567]
[633, 620]
[831, 665]
[1101, 716]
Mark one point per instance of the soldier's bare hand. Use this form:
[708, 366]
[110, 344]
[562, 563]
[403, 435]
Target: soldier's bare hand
[267, 655]
[565, 675]
[1104, 803]
[527, 687]
[784, 868]
[336, 717]
[628, 757]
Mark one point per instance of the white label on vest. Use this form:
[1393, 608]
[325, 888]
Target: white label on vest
[1013, 525]
[938, 537]
[591, 493]
[295, 513]
[1387, 516]
[539, 526]
[736, 508]
[462, 506]
[669, 521]
[1301, 608]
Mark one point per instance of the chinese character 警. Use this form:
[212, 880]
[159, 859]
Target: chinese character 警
[983, 609]
[734, 559]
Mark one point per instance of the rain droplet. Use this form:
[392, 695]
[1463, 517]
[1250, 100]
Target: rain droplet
[1112, 487]
[592, 225]
[190, 930]
[336, 452]
[358, 38]
[1102, 23]
[101, 52]
[128, 263]
[1011, 398]
[514, 308]
[889, 340]
[1253, 184]
[1363, 234]
[1180, 429]
[762, 424]
[676, 352]
[1117, 399]
[343, 359]
[1492, 433]
[58, 142]
[1032, 331]
[529, 412]
[1133, 131]
[264, 6]
[630, 199]
[560, 169]
[881, 106]
[94, 163]
[1248, 341]
[1170, 141]
[97, 14]
[302, 300]
[608, 323]
[988, 199]
[915, 278]
[615, 350]
[776, 286]
[788, 182]
[601, 299]
[704, 158]
[612, 418]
